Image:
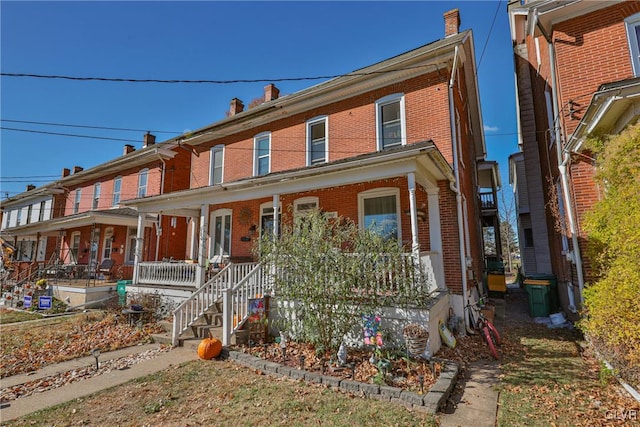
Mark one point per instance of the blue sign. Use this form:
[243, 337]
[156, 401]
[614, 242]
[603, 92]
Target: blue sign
[27, 301]
[44, 302]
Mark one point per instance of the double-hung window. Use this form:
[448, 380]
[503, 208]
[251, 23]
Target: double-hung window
[142, 182]
[96, 196]
[117, 187]
[215, 173]
[262, 154]
[76, 203]
[390, 121]
[317, 146]
[633, 35]
[379, 211]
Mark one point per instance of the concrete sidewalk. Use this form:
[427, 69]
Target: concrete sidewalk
[26, 405]
[478, 404]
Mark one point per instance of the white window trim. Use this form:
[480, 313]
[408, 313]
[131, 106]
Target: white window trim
[96, 196]
[255, 152]
[143, 172]
[403, 127]
[115, 200]
[216, 149]
[276, 215]
[634, 50]
[76, 201]
[380, 192]
[315, 121]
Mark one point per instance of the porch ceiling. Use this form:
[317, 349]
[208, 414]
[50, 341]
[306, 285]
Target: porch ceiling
[125, 216]
[423, 159]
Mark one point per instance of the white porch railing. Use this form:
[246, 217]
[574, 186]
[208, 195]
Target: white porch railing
[167, 273]
[206, 296]
[255, 284]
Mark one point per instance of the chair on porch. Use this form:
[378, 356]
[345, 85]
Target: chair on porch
[105, 269]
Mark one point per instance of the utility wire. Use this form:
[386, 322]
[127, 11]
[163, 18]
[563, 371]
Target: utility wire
[219, 82]
[486, 42]
[88, 127]
[68, 134]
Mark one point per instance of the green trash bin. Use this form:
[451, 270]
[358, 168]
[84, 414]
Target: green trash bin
[538, 297]
[554, 298]
[121, 288]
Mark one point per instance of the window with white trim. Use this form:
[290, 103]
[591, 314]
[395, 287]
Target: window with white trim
[262, 154]
[76, 203]
[117, 187]
[379, 211]
[267, 219]
[390, 121]
[75, 247]
[216, 162]
[143, 176]
[317, 147]
[633, 35]
[96, 196]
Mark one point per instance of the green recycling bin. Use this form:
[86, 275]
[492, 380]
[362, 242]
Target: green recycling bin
[538, 297]
[121, 288]
[554, 299]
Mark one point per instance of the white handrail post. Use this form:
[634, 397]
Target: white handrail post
[175, 331]
[227, 309]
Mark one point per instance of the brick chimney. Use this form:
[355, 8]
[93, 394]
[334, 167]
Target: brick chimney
[77, 169]
[451, 22]
[271, 92]
[236, 107]
[128, 148]
[149, 139]
[66, 172]
[30, 187]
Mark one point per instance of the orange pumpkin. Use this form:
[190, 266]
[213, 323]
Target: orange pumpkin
[209, 348]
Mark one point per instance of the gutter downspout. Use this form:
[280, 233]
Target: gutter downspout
[158, 231]
[456, 187]
[563, 160]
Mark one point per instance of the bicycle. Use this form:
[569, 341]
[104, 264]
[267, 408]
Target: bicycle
[489, 333]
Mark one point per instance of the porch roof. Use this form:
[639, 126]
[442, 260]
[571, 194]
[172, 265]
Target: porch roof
[421, 158]
[611, 109]
[120, 216]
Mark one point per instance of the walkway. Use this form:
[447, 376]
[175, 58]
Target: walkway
[26, 405]
[477, 405]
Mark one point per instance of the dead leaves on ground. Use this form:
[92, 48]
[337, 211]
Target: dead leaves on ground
[31, 348]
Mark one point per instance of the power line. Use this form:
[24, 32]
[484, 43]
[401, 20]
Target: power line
[88, 127]
[486, 42]
[68, 134]
[219, 82]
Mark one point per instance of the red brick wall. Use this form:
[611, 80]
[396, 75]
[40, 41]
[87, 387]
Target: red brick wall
[351, 130]
[592, 50]
[344, 201]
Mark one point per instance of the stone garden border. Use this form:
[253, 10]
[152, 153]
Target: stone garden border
[430, 402]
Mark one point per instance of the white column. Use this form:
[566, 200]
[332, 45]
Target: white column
[202, 248]
[139, 243]
[276, 215]
[435, 235]
[415, 245]
[193, 250]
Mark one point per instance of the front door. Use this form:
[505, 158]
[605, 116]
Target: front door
[220, 247]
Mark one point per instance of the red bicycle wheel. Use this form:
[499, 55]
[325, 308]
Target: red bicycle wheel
[495, 333]
[492, 348]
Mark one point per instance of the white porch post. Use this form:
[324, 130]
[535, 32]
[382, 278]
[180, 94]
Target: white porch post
[193, 250]
[415, 245]
[202, 248]
[435, 234]
[137, 256]
[276, 215]
[227, 310]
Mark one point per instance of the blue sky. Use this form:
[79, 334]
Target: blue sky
[206, 40]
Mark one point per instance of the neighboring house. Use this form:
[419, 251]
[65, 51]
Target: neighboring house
[398, 144]
[71, 226]
[577, 65]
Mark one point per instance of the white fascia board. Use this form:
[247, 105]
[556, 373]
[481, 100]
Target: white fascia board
[65, 223]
